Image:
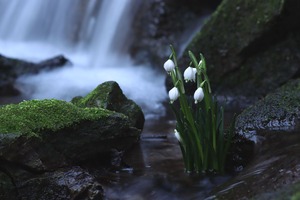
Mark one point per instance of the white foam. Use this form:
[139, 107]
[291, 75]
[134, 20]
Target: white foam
[93, 39]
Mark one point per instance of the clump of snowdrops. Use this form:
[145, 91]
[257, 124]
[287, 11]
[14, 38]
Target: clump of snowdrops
[199, 118]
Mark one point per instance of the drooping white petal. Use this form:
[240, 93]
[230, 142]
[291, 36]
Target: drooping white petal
[195, 70]
[173, 94]
[198, 95]
[177, 135]
[190, 74]
[169, 65]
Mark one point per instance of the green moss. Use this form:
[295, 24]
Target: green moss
[233, 41]
[235, 23]
[296, 196]
[31, 117]
[107, 95]
[277, 110]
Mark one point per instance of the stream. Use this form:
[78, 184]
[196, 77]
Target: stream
[156, 170]
[153, 168]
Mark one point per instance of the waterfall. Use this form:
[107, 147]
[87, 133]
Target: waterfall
[88, 34]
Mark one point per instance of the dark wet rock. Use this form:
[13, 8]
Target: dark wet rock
[67, 183]
[274, 172]
[47, 146]
[7, 186]
[54, 62]
[274, 169]
[164, 22]
[277, 111]
[11, 69]
[109, 95]
[251, 47]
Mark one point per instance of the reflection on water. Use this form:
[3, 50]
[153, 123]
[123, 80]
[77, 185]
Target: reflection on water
[156, 170]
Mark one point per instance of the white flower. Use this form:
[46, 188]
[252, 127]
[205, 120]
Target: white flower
[190, 74]
[177, 135]
[198, 95]
[173, 94]
[169, 65]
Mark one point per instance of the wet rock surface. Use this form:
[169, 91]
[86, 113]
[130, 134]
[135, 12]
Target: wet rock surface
[279, 110]
[252, 43]
[274, 169]
[165, 22]
[11, 69]
[45, 146]
[274, 172]
[65, 183]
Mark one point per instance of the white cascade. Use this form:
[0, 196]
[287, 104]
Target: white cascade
[91, 34]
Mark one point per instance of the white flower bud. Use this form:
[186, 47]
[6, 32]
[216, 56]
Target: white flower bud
[190, 74]
[173, 94]
[198, 95]
[177, 135]
[169, 65]
[200, 63]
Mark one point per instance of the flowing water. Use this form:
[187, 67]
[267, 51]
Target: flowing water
[156, 171]
[93, 35]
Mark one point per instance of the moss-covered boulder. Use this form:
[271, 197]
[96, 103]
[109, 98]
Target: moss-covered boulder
[251, 47]
[109, 95]
[273, 123]
[279, 110]
[44, 128]
[43, 143]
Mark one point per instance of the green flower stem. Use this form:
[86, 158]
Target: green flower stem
[203, 144]
[177, 71]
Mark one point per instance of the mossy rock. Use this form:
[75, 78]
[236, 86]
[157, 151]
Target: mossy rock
[273, 124]
[46, 134]
[109, 95]
[251, 47]
[273, 171]
[31, 118]
[279, 110]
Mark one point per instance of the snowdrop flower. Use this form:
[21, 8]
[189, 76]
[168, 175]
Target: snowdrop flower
[177, 135]
[198, 95]
[169, 65]
[190, 74]
[173, 94]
